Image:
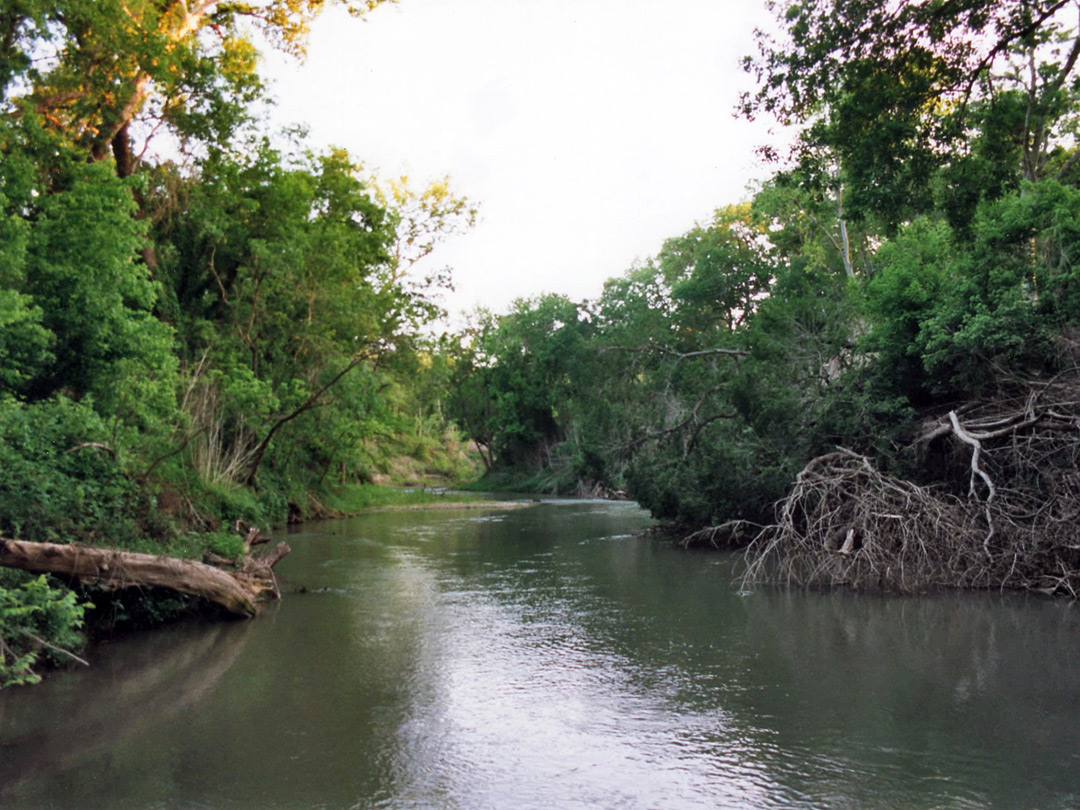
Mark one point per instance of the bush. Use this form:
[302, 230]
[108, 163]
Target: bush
[59, 479]
[37, 620]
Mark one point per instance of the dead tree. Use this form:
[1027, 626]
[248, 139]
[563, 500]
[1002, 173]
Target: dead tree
[237, 586]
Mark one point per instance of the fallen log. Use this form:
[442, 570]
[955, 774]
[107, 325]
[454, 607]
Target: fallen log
[237, 590]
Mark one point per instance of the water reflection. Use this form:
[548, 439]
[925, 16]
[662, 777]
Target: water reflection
[550, 658]
[135, 684]
[514, 697]
[967, 701]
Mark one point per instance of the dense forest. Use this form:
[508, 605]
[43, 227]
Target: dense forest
[867, 373]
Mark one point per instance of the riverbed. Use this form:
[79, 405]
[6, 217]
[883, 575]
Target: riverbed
[558, 657]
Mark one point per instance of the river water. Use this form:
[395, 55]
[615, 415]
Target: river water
[552, 657]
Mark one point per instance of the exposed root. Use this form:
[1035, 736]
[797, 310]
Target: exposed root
[732, 534]
[845, 523]
[976, 472]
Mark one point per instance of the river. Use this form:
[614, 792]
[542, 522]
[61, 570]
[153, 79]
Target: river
[554, 657]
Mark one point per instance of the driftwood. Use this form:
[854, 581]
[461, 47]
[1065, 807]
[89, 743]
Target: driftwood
[237, 589]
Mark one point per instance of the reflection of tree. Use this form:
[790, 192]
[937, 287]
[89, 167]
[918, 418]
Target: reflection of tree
[921, 695]
[134, 686]
[919, 683]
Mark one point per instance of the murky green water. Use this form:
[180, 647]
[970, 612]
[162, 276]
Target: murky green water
[547, 658]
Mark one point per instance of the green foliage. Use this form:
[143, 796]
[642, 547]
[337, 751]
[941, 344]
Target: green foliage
[949, 313]
[284, 294]
[37, 621]
[59, 479]
[188, 68]
[184, 345]
[697, 382]
[514, 375]
[97, 300]
[225, 544]
[717, 273]
[987, 169]
[914, 272]
[704, 381]
[25, 345]
[75, 303]
[923, 102]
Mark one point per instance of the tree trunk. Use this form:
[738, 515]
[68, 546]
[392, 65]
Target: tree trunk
[236, 591]
[311, 402]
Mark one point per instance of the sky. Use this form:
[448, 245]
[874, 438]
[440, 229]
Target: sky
[587, 131]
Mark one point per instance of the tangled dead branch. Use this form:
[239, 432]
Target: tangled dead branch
[844, 523]
[999, 509]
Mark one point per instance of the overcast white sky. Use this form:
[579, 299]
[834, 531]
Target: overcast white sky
[588, 131]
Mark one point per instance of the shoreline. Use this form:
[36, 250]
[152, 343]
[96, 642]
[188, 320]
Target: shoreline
[436, 506]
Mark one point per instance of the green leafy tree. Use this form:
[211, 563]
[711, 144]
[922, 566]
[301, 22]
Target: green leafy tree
[951, 311]
[285, 271]
[717, 273]
[894, 93]
[118, 66]
[533, 350]
[470, 399]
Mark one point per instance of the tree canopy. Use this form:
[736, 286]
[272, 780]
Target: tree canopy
[899, 94]
[104, 72]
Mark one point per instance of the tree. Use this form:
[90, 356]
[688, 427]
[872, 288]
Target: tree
[805, 219]
[283, 271]
[952, 312]
[717, 273]
[950, 47]
[470, 400]
[115, 64]
[423, 218]
[893, 91]
[533, 351]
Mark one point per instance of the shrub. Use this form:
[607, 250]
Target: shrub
[59, 479]
[37, 620]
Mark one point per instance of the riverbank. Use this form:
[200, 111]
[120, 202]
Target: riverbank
[543, 481]
[454, 504]
[47, 620]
